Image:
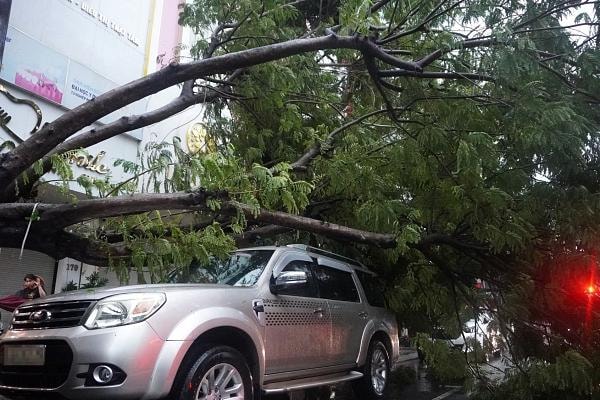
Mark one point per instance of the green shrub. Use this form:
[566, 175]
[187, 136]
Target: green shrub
[446, 364]
[69, 287]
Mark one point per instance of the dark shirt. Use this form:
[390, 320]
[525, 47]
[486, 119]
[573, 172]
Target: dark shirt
[28, 293]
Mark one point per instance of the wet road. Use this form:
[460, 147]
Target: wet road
[421, 389]
[444, 394]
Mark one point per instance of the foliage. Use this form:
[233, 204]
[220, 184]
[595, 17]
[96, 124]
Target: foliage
[503, 166]
[157, 240]
[446, 364]
[480, 160]
[569, 377]
[94, 280]
[70, 286]
[403, 376]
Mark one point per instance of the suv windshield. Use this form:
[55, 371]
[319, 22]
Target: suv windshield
[243, 268]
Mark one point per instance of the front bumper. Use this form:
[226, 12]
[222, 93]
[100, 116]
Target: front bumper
[148, 362]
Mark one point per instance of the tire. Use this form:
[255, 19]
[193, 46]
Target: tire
[220, 369]
[373, 385]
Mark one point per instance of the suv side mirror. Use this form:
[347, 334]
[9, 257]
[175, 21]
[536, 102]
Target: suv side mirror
[288, 280]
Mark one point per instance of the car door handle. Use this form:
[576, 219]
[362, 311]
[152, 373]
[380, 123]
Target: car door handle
[258, 307]
[363, 314]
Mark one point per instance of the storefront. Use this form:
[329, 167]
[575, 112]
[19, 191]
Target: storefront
[59, 54]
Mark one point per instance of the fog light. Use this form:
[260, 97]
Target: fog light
[103, 374]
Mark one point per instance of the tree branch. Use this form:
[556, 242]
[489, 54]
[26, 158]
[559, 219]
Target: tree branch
[59, 216]
[422, 26]
[380, 4]
[467, 44]
[40, 143]
[97, 135]
[559, 7]
[262, 231]
[430, 75]
[331, 230]
[52, 218]
[314, 151]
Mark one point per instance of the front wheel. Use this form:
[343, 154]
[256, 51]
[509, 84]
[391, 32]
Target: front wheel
[219, 372]
[373, 385]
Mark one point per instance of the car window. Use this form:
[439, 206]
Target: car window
[242, 268]
[335, 284]
[373, 288]
[308, 290]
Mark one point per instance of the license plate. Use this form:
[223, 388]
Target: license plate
[24, 355]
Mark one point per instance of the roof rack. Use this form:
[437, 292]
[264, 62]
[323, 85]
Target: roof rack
[326, 253]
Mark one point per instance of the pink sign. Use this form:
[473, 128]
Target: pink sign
[38, 83]
[34, 67]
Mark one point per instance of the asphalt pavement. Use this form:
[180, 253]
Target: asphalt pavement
[421, 389]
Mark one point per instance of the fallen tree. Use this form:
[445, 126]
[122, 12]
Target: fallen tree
[452, 140]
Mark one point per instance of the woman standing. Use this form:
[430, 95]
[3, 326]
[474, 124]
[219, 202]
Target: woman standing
[33, 287]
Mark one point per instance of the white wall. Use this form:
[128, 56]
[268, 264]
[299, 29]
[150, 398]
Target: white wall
[67, 28]
[64, 26]
[100, 43]
[24, 118]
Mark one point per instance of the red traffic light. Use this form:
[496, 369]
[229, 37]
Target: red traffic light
[591, 290]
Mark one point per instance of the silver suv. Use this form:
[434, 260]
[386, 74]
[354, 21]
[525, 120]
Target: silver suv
[278, 319]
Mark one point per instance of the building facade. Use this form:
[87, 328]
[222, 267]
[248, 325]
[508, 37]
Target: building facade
[61, 53]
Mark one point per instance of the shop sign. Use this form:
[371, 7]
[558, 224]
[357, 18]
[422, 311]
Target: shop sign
[89, 161]
[94, 13]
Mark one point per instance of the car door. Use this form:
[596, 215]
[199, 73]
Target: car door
[297, 323]
[348, 314]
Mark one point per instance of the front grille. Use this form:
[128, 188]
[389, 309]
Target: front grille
[49, 315]
[51, 375]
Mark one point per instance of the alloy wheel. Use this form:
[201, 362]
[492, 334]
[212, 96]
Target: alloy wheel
[222, 381]
[379, 370]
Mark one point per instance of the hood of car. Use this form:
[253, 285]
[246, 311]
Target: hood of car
[100, 293]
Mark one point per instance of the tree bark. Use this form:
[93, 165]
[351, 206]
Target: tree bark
[94, 136]
[335, 231]
[51, 135]
[58, 216]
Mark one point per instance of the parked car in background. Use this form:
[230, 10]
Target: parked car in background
[279, 318]
[476, 335]
[484, 332]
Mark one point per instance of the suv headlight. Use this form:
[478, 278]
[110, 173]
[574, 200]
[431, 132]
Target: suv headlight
[124, 309]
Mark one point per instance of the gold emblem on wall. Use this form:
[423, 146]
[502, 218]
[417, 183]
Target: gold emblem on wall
[197, 139]
[89, 161]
